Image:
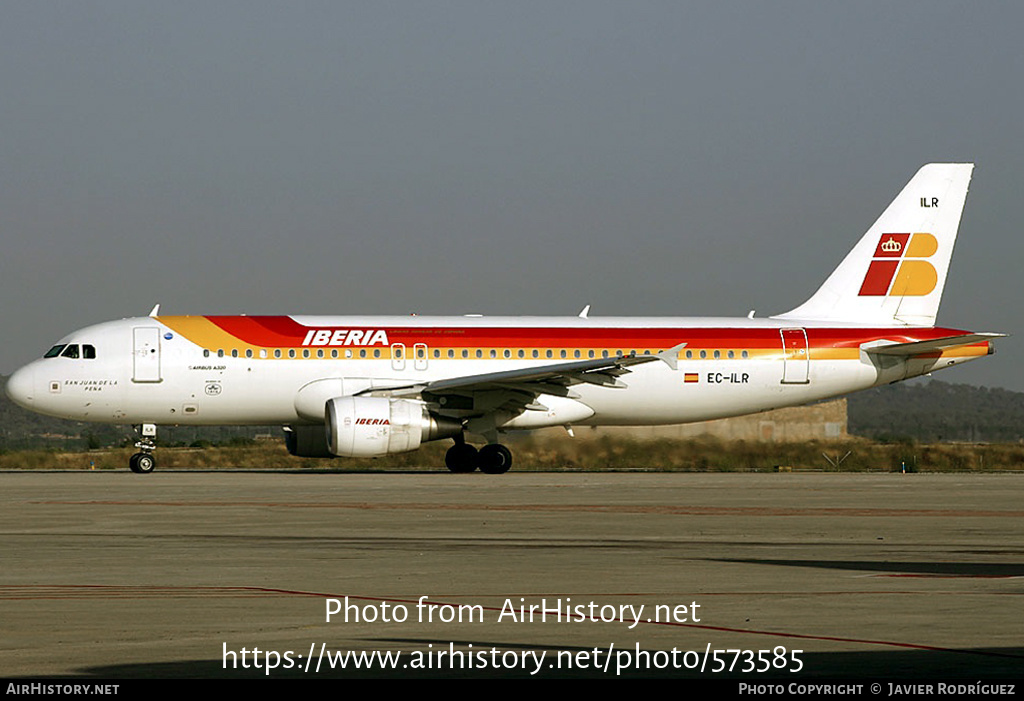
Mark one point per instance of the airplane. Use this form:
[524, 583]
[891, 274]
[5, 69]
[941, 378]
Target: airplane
[374, 386]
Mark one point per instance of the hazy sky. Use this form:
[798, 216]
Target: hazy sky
[647, 158]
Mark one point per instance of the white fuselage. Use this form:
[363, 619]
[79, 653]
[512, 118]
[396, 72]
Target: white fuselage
[186, 370]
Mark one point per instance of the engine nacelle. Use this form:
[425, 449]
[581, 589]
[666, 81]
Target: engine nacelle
[367, 427]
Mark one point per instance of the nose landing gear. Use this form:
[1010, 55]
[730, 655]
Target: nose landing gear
[143, 462]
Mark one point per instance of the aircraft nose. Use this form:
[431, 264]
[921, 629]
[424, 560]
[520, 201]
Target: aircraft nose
[21, 387]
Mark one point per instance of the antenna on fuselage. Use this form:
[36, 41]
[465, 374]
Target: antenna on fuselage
[155, 312]
[586, 311]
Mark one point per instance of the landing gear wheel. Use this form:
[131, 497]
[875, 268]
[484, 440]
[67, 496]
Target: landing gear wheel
[142, 463]
[461, 457]
[495, 459]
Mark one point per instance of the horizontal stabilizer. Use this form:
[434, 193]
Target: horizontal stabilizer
[936, 345]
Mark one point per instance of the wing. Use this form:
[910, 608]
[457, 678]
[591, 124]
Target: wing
[518, 390]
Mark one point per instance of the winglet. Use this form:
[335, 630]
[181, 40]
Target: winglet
[671, 356]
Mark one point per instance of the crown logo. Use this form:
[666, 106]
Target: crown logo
[891, 246]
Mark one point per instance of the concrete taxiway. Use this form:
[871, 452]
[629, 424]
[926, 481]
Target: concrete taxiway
[174, 574]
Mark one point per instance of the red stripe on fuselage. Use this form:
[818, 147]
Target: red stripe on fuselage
[268, 331]
[285, 332]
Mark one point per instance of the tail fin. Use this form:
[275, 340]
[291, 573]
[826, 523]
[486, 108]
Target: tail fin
[896, 273]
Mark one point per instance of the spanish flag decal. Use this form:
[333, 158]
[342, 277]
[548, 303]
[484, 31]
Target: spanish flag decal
[691, 377]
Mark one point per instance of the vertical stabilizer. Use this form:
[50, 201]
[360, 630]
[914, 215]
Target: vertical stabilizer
[896, 273]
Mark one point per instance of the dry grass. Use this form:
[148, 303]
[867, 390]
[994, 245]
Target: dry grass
[700, 455]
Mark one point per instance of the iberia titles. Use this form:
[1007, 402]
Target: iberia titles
[346, 337]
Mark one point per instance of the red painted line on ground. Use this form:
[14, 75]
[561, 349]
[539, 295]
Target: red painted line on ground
[234, 591]
[950, 576]
[666, 509]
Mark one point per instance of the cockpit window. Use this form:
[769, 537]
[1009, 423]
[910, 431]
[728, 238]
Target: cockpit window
[71, 350]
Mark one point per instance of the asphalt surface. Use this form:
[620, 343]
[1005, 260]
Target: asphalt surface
[185, 574]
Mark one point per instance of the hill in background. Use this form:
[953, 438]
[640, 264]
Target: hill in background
[933, 411]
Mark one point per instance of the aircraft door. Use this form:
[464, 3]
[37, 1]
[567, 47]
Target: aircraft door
[420, 356]
[796, 358]
[146, 354]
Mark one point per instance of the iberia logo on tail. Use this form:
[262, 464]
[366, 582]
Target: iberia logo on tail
[897, 268]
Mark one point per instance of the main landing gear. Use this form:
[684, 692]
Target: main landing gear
[492, 459]
[143, 462]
